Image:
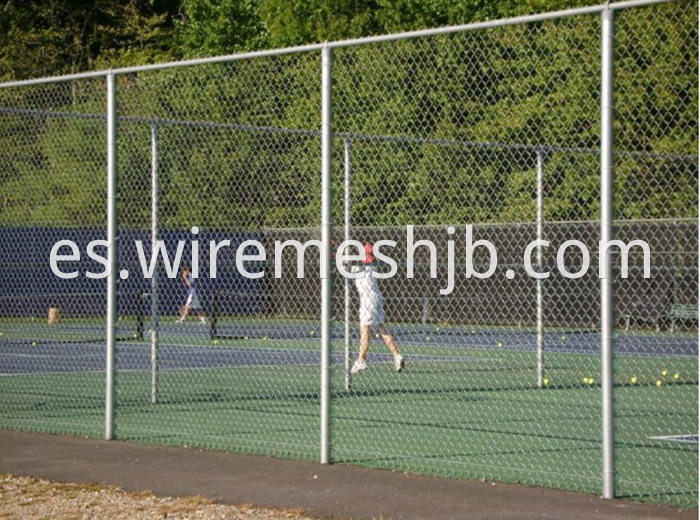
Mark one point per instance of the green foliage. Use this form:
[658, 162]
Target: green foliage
[295, 22]
[211, 27]
[60, 179]
[522, 86]
[46, 37]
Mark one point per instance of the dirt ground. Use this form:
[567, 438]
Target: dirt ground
[30, 498]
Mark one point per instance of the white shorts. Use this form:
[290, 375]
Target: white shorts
[371, 310]
[193, 301]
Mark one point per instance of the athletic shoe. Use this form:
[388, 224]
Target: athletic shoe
[359, 364]
[398, 362]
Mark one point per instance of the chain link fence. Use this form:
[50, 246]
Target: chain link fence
[493, 129]
[53, 188]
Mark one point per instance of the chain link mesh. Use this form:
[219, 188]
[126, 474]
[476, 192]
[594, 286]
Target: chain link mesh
[472, 125]
[452, 130]
[656, 357]
[497, 129]
[53, 187]
[240, 371]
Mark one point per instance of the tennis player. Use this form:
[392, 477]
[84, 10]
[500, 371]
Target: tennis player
[192, 302]
[372, 313]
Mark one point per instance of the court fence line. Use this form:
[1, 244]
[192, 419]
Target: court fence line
[266, 173]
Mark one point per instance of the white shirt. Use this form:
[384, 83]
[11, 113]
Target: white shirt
[367, 285]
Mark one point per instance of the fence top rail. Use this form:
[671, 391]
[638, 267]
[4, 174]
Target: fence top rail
[488, 24]
[348, 136]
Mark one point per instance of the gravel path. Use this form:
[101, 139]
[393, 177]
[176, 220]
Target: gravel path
[29, 498]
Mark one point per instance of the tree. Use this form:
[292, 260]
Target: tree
[51, 37]
[212, 27]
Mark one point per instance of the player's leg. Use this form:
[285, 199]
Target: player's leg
[389, 340]
[186, 309]
[361, 361]
[185, 312]
[196, 305]
[365, 335]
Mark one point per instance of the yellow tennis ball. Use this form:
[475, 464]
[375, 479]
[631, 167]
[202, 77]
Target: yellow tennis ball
[664, 373]
[546, 381]
[312, 332]
[377, 335]
[427, 338]
[676, 376]
[591, 381]
[216, 342]
[33, 343]
[500, 343]
[659, 382]
[265, 338]
[634, 380]
[563, 337]
[585, 380]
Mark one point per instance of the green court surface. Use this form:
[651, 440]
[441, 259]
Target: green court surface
[456, 411]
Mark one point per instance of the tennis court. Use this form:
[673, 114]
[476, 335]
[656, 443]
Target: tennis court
[461, 393]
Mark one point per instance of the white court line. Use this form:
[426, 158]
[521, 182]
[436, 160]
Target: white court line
[418, 357]
[687, 439]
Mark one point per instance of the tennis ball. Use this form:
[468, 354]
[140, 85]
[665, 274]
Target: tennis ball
[591, 381]
[265, 338]
[216, 342]
[676, 376]
[135, 336]
[634, 380]
[2, 333]
[563, 337]
[427, 338]
[585, 380]
[377, 335]
[33, 343]
[664, 373]
[659, 382]
[546, 381]
[437, 329]
[247, 337]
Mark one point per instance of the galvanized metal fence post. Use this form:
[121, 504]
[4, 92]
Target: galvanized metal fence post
[326, 234]
[154, 279]
[112, 251]
[539, 281]
[607, 322]
[347, 171]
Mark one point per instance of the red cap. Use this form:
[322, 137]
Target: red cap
[369, 247]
